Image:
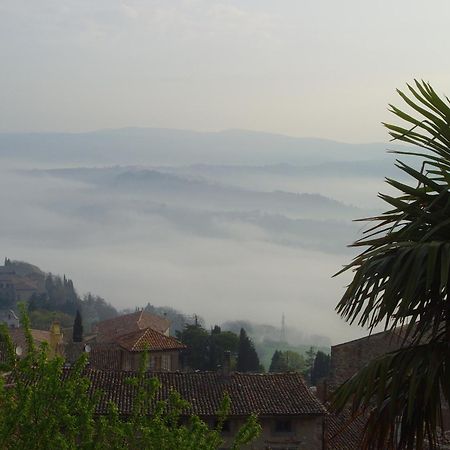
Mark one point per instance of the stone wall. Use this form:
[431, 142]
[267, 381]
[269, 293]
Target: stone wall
[350, 357]
[306, 434]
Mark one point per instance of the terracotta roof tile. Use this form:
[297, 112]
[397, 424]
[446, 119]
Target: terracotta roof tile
[152, 340]
[264, 394]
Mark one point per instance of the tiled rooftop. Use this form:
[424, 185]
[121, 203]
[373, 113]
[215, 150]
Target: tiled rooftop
[266, 394]
[109, 329]
[149, 339]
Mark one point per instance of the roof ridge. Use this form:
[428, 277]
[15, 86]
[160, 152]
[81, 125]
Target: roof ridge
[140, 315]
[140, 338]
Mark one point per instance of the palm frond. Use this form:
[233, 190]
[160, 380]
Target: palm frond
[402, 279]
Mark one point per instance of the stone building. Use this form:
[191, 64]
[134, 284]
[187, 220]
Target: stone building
[120, 342]
[349, 357]
[15, 288]
[125, 352]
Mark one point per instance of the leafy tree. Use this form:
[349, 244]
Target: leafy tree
[41, 409]
[247, 360]
[94, 309]
[196, 338]
[309, 363]
[320, 368]
[38, 301]
[295, 361]
[41, 319]
[402, 279]
[219, 343]
[288, 361]
[77, 335]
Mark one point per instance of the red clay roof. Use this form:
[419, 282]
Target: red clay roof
[150, 340]
[266, 394]
[109, 330]
[18, 336]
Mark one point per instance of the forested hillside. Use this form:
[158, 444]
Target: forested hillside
[55, 297]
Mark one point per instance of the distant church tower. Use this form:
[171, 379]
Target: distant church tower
[283, 329]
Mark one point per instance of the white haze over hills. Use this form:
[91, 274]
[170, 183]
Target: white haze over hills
[230, 225]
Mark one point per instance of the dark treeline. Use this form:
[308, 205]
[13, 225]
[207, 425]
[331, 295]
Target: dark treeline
[206, 349]
[61, 301]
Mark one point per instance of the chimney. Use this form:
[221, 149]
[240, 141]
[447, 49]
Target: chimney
[56, 337]
[226, 367]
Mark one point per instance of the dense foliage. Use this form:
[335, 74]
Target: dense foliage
[287, 361]
[77, 332]
[247, 359]
[206, 350]
[402, 279]
[42, 410]
[320, 368]
[55, 298]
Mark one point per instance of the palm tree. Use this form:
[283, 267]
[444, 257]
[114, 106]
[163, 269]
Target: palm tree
[402, 280]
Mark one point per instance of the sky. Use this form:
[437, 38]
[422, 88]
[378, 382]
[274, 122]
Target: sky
[321, 69]
[326, 69]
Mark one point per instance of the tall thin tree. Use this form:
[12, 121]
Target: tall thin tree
[78, 328]
[247, 360]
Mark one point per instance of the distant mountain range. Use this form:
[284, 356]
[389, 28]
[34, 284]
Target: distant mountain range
[177, 147]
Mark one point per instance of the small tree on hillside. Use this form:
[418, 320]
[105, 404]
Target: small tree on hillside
[77, 328]
[247, 360]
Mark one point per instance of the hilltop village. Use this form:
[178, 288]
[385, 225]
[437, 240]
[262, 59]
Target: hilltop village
[291, 402]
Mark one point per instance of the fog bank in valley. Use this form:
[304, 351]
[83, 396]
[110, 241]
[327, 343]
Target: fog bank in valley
[227, 242]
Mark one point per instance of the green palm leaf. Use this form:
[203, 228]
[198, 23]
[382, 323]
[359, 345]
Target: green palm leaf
[402, 280]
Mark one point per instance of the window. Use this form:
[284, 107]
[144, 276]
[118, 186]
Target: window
[283, 426]
[226, 426]
[166, 362]
[157, 363]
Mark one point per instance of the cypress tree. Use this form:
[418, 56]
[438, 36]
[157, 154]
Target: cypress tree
[320, 368]
[77, 328]
[278, 362]
[247, 360]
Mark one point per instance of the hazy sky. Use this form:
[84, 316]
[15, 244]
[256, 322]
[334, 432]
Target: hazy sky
[322, 68]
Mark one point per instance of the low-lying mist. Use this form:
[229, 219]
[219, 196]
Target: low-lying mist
[226, 242]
